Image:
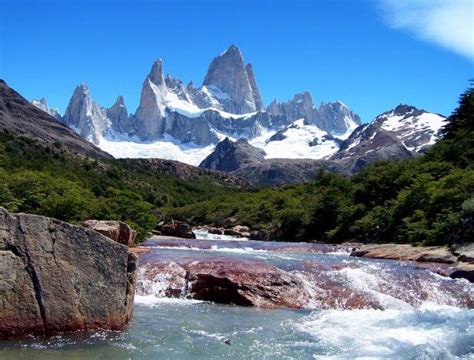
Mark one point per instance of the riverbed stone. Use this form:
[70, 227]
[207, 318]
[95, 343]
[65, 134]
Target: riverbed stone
[56, 278]
[402, 252]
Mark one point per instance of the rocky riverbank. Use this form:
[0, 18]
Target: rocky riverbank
[287, 275]
[456, 261]
[57, 278]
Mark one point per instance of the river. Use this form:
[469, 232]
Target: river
[396, 311]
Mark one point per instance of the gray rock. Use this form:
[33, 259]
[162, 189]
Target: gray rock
[85, 116]
[118, 115]
[334, 118]
[230, 156]
[228, 80]
[56, 277]
[151, 110]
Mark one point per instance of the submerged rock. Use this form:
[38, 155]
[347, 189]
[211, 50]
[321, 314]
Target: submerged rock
[116, 230]
[56, 278]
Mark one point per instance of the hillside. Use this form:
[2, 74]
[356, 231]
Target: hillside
[19, 117]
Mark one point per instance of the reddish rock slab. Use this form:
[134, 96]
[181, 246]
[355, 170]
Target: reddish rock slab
[437, 254]
[226, 281]
[116, 230]
[243, 282]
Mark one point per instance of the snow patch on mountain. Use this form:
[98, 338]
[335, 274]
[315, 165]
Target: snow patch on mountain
[298, 141]
[168, 148]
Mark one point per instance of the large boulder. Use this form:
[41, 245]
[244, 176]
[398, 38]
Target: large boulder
[178, 229]
[222, 280]
[56, 278]
[116, 230]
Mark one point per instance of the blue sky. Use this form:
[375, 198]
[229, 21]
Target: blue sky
[370, 54]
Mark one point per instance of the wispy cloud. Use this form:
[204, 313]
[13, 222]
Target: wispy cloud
[448, 23]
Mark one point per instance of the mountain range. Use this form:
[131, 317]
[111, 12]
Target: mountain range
[225, 118]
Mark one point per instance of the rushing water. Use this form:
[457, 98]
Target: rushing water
[418, 315]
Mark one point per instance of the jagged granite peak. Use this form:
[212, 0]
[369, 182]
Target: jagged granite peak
[232, 155]
[300, 106]
[148, 119]
[156, 72]
[43, 105]
[229, 83]
[119, 117]
[336, 118]
[85, 116]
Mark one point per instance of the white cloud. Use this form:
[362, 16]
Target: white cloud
[448, 23]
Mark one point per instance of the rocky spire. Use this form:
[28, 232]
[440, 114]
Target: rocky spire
[118, 115]
[151, 110]
[301, 106]
[156, 72]
[86, 116]
[228, 81]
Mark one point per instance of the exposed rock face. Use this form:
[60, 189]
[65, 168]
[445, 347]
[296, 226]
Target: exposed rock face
[253, 85]
[43, 105]
[230, 156]
[116, 230]
[86, 116]
[230, 83]
[119, 118]
[55, 277]
[19, 117]
[151, 111]
[301, 106]
[334, 118]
